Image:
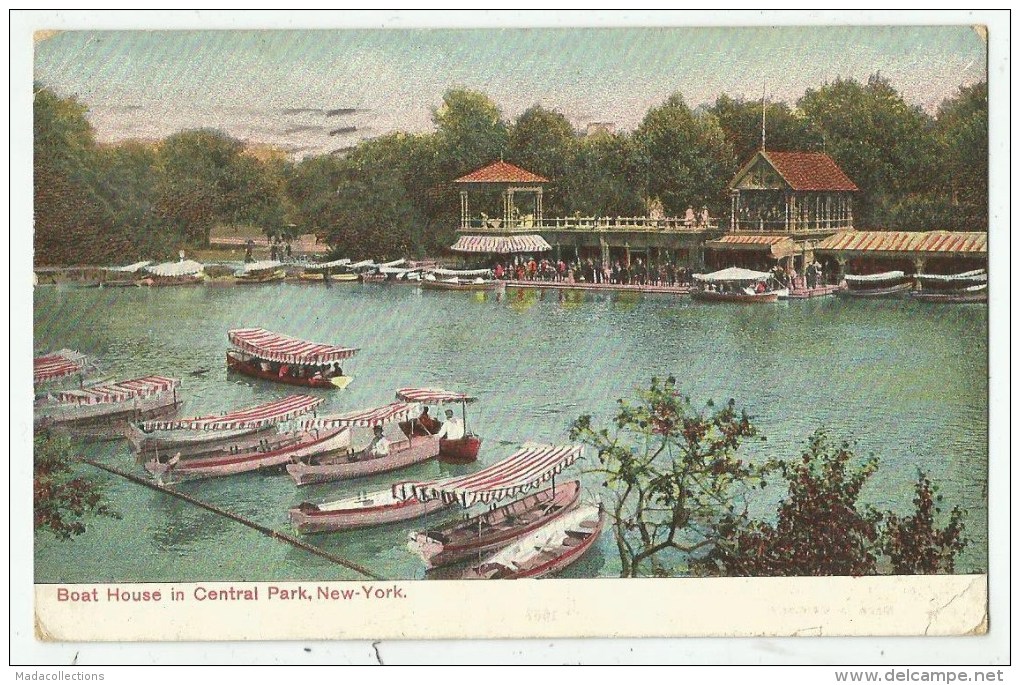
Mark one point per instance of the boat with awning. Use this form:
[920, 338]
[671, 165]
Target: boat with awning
[736, 285]
[283, 359]
[183, 272]
[123, 276]
[104, 410]
[459, 279]
[362, 510]
[969, 286]
[545, 551]
[58, 365]
[885, 284]
[366, 457]
[199, 435]
[462, 450]
[267, 271]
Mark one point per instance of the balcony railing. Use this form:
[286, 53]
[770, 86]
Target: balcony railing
[784, 226]
[592, 224]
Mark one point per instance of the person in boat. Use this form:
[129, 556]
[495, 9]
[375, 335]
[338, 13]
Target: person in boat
[427, 423]
[760, 287]
[380, 446]
[452, 428]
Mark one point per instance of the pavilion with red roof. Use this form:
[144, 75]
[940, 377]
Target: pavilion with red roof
[512, 182]
[781, 204]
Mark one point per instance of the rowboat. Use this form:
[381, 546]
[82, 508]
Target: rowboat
[547, 550]
[459, 450]
[360, 511]
[970, 286]
[123, 276]
[274, 451]
[323, 271]
[282, 359]
[459, 279]
[885, 284]
[103, 411]
[495, 528]
[526, 469]
[237, 431]
[403, 449]
[261, 272]
[737, 285]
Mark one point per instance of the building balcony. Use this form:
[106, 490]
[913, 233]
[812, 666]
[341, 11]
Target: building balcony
[785, 227]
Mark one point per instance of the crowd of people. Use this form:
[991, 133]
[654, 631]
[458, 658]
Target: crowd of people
[617, 272]
[813, 276]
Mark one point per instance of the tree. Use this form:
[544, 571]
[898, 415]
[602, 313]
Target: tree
[740, 121]
[822, 529]
[63, 501]
[962, 129]
[683, 156]
[543, 141]
[883, 144]
[604, 178]
[673, 476]
[470, 131]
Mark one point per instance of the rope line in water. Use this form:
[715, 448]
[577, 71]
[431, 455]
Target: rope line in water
[268, 532]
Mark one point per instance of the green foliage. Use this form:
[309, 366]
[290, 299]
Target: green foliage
[673, 475]
[740, 120]
[469, 130]
[63, 501]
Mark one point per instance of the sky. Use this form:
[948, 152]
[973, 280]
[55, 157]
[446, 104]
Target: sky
[311, 92]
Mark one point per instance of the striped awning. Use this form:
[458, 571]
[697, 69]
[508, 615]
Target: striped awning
[365, 418]
[119, 392]
[934, 242]
[432, 396]
[252, 417]
[284, 349]
[777, 246]
[57, 365]
[509, 244]
[530, 466]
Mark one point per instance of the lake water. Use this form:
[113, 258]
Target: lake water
[907, 380]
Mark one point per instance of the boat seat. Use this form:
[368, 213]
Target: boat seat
[589, 524]
[571, 542]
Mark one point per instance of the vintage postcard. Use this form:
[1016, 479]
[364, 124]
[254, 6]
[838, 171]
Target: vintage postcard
[510, 332]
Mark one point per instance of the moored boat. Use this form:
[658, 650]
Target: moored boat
[360, 511]
[273, 451]
[59, 366]
[490, 530]
[197, 436]
[384, 453]
[261, 272]
[460, 279]
[457, 444]
[282, 359]
[547, 550]
[885, 284]
[737, 285]
[970, 286]
[183, 272]
[103, 411]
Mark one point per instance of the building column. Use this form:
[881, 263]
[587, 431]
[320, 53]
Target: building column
[538, 207]
[786, 205]
[464, 217]
[604, 250]
[733, 210]
[840, 269]
[919, 265]
[626, 254]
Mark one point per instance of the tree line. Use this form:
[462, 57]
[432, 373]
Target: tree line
[393, 195]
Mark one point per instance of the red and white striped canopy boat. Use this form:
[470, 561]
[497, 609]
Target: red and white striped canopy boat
[527, 468]
[284, 349]
[59, 364]
[364, 418]
[432, 396]
[250, 417]
[123, 391]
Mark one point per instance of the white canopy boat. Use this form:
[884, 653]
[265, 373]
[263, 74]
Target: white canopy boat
[736, 285]
[885, 284]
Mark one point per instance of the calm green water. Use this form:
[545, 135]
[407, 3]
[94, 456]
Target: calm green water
[908, 380]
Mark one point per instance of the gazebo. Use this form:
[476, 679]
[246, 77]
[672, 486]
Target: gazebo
[513, 181]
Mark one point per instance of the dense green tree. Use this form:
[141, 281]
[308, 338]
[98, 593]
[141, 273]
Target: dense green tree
[470, 131]
[683, 157]
[740, 121]
[604, 178]
[543, 141]
[962, 129]
[883, 144]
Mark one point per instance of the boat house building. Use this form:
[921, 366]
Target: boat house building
[782, 204]
[518, 225]
[937, 252]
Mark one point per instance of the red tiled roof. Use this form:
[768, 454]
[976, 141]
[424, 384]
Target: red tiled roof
[501, 172]
[809, 171]
[778, 245]
[906, 241]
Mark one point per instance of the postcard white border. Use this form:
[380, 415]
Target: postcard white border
[992, 648]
